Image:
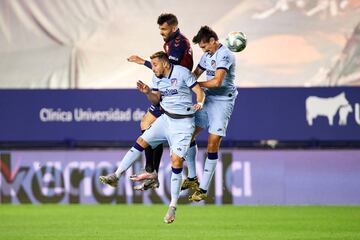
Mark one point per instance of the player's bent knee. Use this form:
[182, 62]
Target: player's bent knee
[176, 161]
[142, 142]
[214, 143]
[213, 146]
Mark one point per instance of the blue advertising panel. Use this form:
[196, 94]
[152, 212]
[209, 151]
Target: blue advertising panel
[297, 114]
[285, 114]
[71, 115]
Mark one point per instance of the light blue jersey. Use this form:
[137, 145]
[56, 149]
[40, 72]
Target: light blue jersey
[175, 90]
[223, 58]
[219, 102]
[176, 97]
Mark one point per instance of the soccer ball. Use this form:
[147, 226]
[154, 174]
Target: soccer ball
[236, 41]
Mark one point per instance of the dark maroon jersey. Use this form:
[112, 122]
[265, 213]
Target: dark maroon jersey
[179, 50]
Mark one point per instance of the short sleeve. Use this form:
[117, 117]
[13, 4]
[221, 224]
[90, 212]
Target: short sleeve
[155, 86]
[202, 63]
[190, 80]
[148, 64]
[225, 61]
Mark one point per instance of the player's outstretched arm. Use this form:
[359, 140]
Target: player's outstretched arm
[153, 96]
[200, 97]
[139, 60]
[136, 59]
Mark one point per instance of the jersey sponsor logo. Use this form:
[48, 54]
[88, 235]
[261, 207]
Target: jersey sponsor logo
[169, 92]
[210, 72]
[173, 58]
[173, 81]
[213, 63]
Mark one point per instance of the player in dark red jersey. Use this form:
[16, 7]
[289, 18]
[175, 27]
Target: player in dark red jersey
[179, 51]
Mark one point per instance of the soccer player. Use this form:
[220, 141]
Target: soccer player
[219, 63]
[172, 84]
[178, 48]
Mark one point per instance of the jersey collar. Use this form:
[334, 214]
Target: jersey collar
[220, 46]
[172, 68]
[174, 35]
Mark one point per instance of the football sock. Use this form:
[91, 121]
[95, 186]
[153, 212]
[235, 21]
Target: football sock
[209, 169]
[130, 157]
[149, 156]
[191, 160]
[176, 179]
[149, 162]
[158, 151]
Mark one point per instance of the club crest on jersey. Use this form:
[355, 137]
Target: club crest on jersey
[177, 42]
[213, 63]
[173, 81]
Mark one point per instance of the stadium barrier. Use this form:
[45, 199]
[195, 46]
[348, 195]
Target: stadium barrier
[254, 177]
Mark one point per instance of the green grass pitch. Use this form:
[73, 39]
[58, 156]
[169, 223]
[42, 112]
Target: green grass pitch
[192, 222]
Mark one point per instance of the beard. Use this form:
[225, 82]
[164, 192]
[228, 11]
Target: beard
[166, 38]
[159, 75]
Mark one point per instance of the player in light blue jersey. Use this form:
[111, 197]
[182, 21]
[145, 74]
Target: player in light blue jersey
[178, 48]
[173, 84]
[219, 64]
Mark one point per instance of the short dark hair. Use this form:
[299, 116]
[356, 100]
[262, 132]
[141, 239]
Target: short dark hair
[204, 35]
[161, 55]
[169, 18]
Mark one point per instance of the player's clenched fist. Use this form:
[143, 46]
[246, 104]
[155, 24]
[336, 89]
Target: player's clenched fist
[198, 106]
[136, 59]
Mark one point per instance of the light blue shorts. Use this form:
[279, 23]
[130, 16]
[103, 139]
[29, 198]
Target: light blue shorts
[215, 115]
[177, 132]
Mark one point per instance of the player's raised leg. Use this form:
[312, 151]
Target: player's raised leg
[152, 156]
[130, 157]
[154, 136]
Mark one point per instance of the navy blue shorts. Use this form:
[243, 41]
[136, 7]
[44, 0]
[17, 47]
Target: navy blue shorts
[155, 110]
